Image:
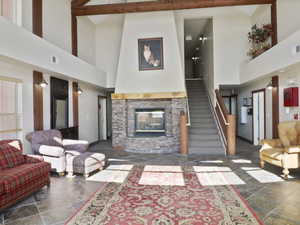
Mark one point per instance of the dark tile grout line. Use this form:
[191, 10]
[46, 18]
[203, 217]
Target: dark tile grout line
[39, 212]
[24, 217]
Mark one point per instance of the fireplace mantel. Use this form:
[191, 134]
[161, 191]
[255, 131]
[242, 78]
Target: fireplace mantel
[161, 95]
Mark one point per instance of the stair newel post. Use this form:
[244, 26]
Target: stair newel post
[183, 134]
[231, 134]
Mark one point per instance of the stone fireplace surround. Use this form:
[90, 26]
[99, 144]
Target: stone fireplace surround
[123, 125]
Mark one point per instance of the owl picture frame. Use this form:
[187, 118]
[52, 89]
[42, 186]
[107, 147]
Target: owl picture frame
[150, 52]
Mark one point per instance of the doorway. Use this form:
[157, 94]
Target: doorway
[259, 115]
[102, 118]
[231, 104]
[195, 51]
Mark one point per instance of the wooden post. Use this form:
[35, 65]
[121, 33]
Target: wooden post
[231, 135]
[275, 105]
[184, 147]
[38, 119]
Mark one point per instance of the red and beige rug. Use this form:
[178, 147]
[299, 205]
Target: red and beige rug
[137, 201]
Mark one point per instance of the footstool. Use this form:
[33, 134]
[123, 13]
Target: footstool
[83, 163]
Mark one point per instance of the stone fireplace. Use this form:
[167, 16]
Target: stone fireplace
[147, 125]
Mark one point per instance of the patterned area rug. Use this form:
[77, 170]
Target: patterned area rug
[136, 203]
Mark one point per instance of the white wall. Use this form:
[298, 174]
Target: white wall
[285, 79]
[288, 18]
[88, 113]
[108, 45]
[57, 23]
[149, 25]
[86, 40]
[207, 52]
[27, 15]
[280, 56]
[18, 60]
[230, 47]
[38, 52]
[23, 73]
[245, 91]
[230, 27]
[262, 15]
[57, 27]
[88, 110]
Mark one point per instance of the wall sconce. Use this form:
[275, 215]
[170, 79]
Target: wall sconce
[43, 83]
[270, 85]
[79, 90]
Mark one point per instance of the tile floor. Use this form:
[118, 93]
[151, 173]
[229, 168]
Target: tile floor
[277, 202]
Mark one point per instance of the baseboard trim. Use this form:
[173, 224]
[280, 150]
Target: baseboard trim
[245, 139]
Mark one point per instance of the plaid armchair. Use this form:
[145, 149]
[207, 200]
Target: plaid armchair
[20, 175]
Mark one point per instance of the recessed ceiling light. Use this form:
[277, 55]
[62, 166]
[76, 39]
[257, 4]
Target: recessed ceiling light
[281, 71]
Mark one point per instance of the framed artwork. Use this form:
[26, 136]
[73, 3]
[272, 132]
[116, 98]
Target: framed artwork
[151, 54]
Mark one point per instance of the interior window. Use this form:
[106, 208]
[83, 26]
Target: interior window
[7, 9]
[10, 108]
[12, 10]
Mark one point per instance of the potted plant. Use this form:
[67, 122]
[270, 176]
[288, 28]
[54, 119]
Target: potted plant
[259, 38]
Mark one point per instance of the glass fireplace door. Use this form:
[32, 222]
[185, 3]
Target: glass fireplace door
[149, 122]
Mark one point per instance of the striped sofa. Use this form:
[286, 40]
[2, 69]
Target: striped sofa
[20, 175]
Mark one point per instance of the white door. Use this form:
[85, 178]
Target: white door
[102, 119]
[233, 106]
[258, 117]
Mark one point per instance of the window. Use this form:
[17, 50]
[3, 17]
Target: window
[12, 10]
[7, 9]
[10, 108]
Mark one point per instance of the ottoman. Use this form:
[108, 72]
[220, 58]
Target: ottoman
[83, 163]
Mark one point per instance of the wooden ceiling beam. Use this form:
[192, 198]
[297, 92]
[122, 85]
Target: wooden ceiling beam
[78, 3]
[134, 7]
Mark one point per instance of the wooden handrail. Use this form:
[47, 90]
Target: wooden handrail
[227, 123]
[221, 102]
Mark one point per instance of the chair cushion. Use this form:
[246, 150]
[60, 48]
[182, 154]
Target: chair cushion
[75, 145]
[51, 151]
[11, 155]
[274, 153]
[15, 178]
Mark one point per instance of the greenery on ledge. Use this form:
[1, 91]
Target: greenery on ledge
[259, 38]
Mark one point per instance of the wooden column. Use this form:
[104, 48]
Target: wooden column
[274, 22]
[75, 104]
[38, 118]
[231, 134]
[275, 105]
[37, 29]
[37, 17]
[184, 146]
[74, 36]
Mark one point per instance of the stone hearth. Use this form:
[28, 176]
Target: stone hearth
[123, 125]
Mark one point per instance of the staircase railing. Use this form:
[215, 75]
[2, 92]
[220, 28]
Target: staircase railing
[227, 124]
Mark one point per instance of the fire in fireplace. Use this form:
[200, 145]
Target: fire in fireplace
[150, 122]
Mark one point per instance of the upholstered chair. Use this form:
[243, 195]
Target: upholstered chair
[51, 145]
[284, 151]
